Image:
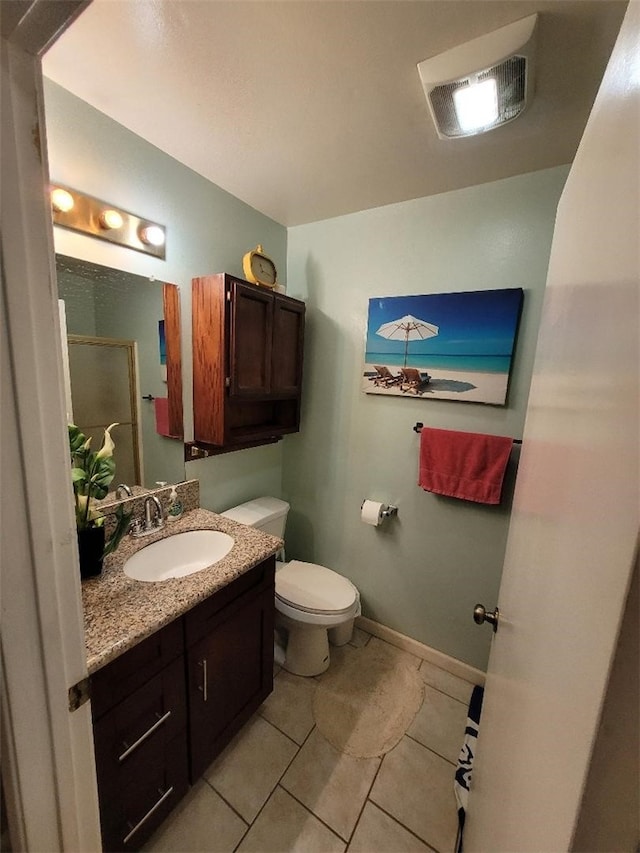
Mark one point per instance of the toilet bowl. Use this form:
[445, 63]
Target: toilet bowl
[315, 606]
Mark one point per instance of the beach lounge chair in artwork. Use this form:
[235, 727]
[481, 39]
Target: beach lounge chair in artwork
[385, 377]
[413, 382]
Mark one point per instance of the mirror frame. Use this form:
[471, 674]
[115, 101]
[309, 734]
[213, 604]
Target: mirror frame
[171, 311]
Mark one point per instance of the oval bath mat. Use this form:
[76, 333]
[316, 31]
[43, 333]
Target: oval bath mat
[364, 704]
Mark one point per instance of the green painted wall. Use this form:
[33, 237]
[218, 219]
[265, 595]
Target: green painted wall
[423, 572]
[208, 230]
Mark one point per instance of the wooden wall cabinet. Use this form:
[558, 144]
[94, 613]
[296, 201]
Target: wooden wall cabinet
[247, 361]
[165, 709]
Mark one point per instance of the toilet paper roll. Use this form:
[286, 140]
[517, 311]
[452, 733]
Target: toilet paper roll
[371, 512]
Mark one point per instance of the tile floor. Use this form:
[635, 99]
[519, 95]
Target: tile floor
[280, 786]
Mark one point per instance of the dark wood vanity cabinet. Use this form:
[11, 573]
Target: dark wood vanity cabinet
[247, 361]
[165, 709]
[140, 736]
[225, 689]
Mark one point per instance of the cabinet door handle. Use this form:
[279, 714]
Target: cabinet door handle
[205, 681]
[143, 737]
[163, 797]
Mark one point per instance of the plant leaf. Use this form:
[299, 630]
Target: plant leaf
[124, 519]
[76, 438]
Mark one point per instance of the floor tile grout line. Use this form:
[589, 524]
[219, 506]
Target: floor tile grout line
[293, 757]
[366, 799]
[404, 826]
[224, 800]
[313, 814]
[444, 693]
[277, 784]
[271, 792]
[431, 749]
[282, 732]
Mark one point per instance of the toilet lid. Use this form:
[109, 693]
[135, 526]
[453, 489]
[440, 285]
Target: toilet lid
[314, 589]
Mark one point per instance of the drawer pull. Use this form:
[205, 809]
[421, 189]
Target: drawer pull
[204, 687]
[143, 737]
[163, 797]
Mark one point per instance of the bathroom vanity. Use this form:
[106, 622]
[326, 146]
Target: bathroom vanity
[166, 705]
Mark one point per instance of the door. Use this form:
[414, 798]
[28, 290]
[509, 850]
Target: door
[288, 344]
[250, 341]
[48, 767]
[574, 525]
[230, 674]
[103, 389]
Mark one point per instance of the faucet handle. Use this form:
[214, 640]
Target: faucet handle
[136, 527]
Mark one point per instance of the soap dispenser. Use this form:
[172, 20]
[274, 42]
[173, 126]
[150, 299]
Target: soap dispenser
[174, 508]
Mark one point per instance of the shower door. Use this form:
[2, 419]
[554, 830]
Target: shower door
[103, 390]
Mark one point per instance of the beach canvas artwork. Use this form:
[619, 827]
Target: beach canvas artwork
[448, 346]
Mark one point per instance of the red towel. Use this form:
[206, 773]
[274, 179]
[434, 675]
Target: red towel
[162, 416]
[464, 465]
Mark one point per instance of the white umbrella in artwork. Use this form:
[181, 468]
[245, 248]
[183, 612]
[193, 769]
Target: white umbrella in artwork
[407, 329]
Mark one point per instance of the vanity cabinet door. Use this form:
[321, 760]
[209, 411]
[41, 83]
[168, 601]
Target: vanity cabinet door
[230, 674]
[288, 343]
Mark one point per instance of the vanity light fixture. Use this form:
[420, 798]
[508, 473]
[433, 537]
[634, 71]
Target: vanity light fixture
[152, 235]
[110, 219]
[61, 200]
[482, 84]
[96, 218]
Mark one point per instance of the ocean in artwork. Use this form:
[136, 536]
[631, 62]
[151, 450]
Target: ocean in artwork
[473, 363]
[463, 343]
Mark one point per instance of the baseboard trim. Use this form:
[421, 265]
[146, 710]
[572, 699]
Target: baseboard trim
[414, 647]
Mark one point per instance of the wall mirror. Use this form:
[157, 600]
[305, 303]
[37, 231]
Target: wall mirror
[124, 357]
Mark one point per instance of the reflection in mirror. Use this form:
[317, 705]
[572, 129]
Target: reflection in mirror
[123, 336]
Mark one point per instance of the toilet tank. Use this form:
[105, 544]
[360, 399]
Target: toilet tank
[267, 514]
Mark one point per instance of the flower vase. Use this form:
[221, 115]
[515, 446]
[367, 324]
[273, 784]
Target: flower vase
[91, 547]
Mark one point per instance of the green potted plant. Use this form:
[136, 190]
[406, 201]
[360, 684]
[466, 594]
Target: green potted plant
[91, 474]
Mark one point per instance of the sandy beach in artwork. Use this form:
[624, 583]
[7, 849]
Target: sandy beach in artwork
[464, 385]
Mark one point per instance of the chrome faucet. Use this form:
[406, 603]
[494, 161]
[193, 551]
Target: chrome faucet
[149, 502]
[122, 487]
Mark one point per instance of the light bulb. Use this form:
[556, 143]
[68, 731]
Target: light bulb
[61, 200]
[477, 105]
[110, 219]
[153, 235]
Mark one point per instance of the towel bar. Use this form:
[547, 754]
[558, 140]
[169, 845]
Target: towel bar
[419, 425]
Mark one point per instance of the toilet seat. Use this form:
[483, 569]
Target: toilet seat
[314, 589]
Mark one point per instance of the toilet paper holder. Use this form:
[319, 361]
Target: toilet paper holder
[388, 510]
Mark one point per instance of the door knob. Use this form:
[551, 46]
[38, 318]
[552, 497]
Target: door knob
[481, 615]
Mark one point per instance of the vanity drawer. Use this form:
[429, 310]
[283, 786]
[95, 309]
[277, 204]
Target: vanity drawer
[125, 674]
[131, 736]
[200, 621]
[130, 816]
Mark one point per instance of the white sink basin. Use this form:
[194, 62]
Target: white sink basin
[179, 555]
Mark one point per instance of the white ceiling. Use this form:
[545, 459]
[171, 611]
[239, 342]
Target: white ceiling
[308, 109]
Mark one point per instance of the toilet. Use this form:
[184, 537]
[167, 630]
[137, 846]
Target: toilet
[315, 606]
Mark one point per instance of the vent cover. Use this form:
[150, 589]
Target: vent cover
[505, 56]
[510, 78]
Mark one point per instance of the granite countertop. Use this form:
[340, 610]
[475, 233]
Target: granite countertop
[119, 612]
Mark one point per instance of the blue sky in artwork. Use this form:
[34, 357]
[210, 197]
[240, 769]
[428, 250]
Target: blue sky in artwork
[482, 322]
